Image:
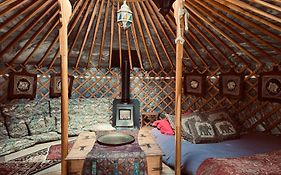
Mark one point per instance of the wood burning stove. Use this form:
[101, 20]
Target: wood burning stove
[124, 115]
[126, 111]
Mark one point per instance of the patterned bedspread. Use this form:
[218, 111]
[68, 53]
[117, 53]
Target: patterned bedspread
[260, 164]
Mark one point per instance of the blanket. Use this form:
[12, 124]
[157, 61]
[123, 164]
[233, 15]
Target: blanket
[267, 163]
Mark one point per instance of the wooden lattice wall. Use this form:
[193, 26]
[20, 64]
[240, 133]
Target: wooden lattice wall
[155, 91]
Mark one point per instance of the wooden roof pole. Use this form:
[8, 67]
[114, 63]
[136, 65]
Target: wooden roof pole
[65, 14]
[178, 14]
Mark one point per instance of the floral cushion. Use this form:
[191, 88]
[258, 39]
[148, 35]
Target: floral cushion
[16, 108]
[102, 127]
[11, 145]
[83, 113]
[3, 129]
[45, 137]
[73, 111]
[33, 117]
[41, 120]
[17, 128]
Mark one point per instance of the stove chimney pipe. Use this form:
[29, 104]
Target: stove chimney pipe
[125, 73]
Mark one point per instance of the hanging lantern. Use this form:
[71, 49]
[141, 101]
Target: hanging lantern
[124, 16]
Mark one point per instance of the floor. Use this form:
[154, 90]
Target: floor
[55, 170]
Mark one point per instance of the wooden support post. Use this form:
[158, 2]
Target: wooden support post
[178, 14]
[65, 14]
[179, 56]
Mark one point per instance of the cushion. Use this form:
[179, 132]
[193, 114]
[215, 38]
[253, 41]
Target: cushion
[32, 115]
[3, 129]
[201, 132]
[16, 108]
[40, 121]
[73, 115]
[171, 119]
[100, 108]
[223, 124]
[12, 145]
[45, 137]
[83, 113]
[17, 128]
[225, 129]
[187, 134]
[197, 129]
[217, 114]
[102, 127]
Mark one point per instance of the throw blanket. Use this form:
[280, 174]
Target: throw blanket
[268, 163]
[115, 160]
[164, 126]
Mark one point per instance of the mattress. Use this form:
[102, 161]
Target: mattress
[193, 155]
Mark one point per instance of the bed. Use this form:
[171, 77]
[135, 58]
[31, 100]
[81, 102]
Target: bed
[194, 154]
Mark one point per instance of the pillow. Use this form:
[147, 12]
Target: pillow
[202, 132]
[16, 108]
[187, 134]
[217, 115]
[3, 129]
[223, 124]
[196, 129]
[101, 127]
[83, 113]
[171, 119]
[17, 128]
[225, 129]
[40, 120]
[33, 114]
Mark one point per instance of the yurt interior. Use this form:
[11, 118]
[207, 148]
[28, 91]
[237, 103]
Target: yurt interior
[100, 87]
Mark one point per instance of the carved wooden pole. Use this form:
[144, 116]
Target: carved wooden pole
[65, 13]
[178, 14]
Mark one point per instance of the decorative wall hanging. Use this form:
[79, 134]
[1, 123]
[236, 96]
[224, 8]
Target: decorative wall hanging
[55, 85]
[270, 86]
[232, 84]
[194, 83]
[22, 85]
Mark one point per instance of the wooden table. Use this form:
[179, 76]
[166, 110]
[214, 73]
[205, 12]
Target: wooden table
[86, 140]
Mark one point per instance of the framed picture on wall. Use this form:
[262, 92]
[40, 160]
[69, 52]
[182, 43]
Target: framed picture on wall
[22, 85]
[55, 85]
[232, 84]
[270, 86]
[194, 83]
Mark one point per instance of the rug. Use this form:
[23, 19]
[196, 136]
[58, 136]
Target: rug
[54, 152]
[28, 164]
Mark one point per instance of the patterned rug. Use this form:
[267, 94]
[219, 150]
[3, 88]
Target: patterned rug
[54, 152]
[28, 164]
